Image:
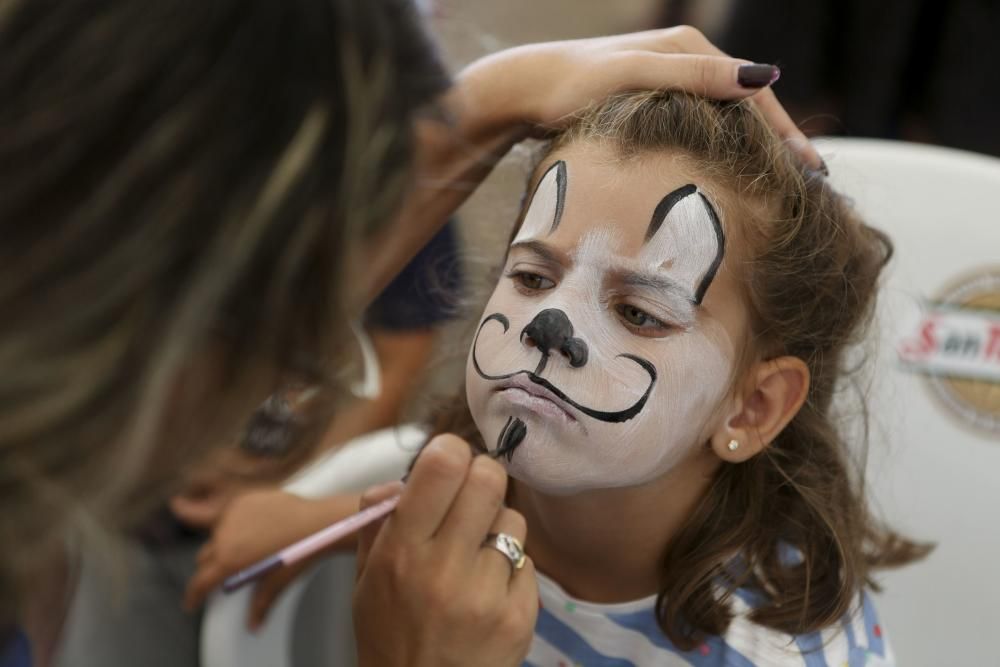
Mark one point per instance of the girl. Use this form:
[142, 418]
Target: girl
[657, 366]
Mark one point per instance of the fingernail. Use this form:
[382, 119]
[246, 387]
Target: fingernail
[823, 168]
[756, 75]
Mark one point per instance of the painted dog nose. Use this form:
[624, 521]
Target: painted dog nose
[551, 331]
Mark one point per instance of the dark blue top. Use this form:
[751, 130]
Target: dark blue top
[427, 290]
[14, 649]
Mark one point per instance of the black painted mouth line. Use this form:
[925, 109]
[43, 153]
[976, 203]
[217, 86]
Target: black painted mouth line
[600, 415]
[510, 438]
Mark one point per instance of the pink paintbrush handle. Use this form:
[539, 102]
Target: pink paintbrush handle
[320, 540]
[325, 537]
[310, 545]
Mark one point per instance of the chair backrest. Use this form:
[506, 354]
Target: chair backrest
[934, 464]
[327, 636]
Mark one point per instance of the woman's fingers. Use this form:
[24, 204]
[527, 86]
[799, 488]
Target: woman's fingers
[678, 39]
[431, 582]
[523, 595]
[686, 39]
[496, 566]
[786, 128]
[546, 85]
[475, 508]
[716, 77]
[604, 73]
[435, 480]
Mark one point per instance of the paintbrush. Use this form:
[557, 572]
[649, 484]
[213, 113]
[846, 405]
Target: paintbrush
[510, 437]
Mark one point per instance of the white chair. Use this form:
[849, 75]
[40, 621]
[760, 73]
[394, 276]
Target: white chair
[378, 457]
[935, 448]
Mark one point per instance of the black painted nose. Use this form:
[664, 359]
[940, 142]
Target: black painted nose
[550, 331]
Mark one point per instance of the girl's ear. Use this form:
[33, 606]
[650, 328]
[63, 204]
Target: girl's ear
[774, 393]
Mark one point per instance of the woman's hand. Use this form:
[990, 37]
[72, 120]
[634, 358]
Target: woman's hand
[428, 592]
[508, 96]
[544, 85]
[254, 526]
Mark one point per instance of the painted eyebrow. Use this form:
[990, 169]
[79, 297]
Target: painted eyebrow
[652, 281]
[720, 249]
[544, 251]
[660, 214]
[666, 204]
[561, 182]
[671, 288]
[682, 303]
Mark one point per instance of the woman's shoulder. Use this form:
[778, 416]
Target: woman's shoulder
[857, 639]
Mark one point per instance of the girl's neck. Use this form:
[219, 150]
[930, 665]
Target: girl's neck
[606, 546]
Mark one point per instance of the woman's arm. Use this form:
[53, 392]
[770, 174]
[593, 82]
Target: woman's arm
[503, 98]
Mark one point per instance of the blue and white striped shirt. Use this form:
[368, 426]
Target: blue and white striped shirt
[571, 632]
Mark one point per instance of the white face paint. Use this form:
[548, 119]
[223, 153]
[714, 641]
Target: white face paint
[595, 339]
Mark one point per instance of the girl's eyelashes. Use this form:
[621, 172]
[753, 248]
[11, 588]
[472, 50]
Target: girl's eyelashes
[640, 322]
[527, 281]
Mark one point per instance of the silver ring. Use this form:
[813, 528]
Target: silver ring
[509, 546]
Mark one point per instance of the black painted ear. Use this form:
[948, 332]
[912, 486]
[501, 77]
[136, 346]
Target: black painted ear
[685, 231]
[545, 208]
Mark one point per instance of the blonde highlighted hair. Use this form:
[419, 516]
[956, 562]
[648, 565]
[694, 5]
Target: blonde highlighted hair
[181, 182]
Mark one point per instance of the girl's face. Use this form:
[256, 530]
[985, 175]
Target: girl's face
[608, 342]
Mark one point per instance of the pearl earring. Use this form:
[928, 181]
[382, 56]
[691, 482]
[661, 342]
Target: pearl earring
[733, 445]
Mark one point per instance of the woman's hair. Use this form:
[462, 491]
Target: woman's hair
[792, 523]
[181, 180]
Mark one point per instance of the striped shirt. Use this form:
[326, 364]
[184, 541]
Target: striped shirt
[570, 633]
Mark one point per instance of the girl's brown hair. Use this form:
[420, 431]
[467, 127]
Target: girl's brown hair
[792, 523]
[181, 180]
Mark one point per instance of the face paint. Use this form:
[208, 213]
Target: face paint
[685, 233]
[566, 375]
[511, 436]
[550, 195]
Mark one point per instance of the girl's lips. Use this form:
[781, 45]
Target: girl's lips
[522, 391]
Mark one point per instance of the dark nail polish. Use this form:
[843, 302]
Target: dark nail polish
[757, 76]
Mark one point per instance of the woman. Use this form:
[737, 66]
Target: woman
[197, 197]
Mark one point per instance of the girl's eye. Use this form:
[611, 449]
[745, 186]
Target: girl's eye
[636, 318]
[533, 281]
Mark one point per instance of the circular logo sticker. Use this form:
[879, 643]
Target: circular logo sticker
[956, 346]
